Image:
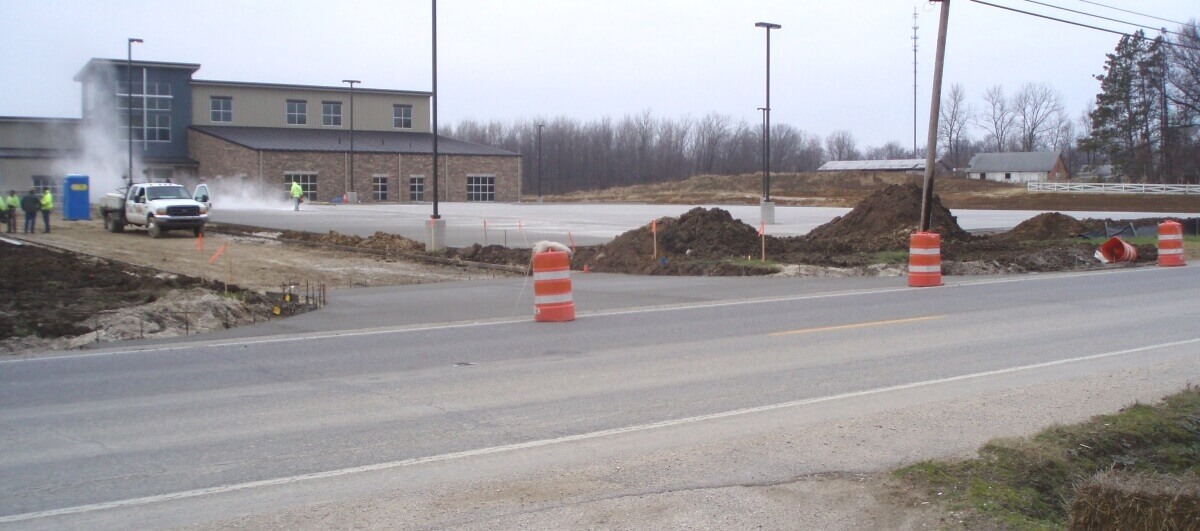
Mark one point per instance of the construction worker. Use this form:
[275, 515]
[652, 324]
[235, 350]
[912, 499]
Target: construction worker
[6, 212]
[14, 204]
[297, 192]
[47, 206]
[30, 205]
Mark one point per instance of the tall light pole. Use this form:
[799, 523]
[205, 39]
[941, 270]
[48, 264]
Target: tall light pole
[435, 123]
[129, 103]
[768, 217]
[539, 164]
[352, 82]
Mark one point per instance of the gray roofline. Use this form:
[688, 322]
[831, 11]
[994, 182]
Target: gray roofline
[345, 90]
[42, 119]
[96, 61]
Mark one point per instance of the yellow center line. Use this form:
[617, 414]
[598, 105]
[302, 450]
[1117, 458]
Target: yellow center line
[856, 325]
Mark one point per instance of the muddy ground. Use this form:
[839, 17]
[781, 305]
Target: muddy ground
[80, 285]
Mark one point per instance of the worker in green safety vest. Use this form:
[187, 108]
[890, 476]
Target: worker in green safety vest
[13, 203]
[297, 191]
[47, 206]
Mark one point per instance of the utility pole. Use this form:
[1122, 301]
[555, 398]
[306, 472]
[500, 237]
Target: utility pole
[435, 120]
[935, 106]
[914, 39]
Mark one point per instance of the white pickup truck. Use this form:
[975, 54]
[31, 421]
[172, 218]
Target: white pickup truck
[157, 206]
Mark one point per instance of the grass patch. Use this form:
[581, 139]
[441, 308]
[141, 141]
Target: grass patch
[890, 257]
[1029, 483]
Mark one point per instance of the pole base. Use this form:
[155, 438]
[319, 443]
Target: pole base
[435, 234]
[767, 213]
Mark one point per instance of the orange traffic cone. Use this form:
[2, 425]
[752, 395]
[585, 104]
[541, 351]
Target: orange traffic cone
[585, 268]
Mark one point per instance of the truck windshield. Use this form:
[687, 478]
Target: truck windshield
[167, 192]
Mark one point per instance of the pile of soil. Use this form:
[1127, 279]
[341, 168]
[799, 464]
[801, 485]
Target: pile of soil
[886, 219]
[380, 241]
[492, 254]
[699, 242]
[66, 300]
[1047, 226]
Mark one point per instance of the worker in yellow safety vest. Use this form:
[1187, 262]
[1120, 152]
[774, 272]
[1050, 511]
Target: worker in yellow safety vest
[14, 204]
[297, 191]
[47, 206]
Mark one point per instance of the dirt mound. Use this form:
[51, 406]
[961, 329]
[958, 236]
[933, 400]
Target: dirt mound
[381, 241]
[66, 300]
[1047, 226]
[884, 220]
[700, 242]
[492, 254]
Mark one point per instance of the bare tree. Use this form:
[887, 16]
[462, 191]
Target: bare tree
[841, 145]
[955, 115]
[997, 118]
[1038, 109]
[890, 151]
[711, 132]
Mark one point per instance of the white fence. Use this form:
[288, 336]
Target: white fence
[1115, 188]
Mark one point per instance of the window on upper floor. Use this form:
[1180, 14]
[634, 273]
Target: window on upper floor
[402, 116]
[331, 113]
[297, 112]
[221, 108]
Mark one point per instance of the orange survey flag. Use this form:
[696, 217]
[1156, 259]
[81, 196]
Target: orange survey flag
[217, 254]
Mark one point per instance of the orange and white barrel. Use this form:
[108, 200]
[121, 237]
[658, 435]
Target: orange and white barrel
[552, 299]
[1117, 250]
[1170, 244]
[925, 260]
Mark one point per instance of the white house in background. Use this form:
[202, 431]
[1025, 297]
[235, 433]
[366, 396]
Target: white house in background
[1018, 167]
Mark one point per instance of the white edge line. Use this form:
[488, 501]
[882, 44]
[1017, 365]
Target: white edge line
[601, 313]
[560, 440]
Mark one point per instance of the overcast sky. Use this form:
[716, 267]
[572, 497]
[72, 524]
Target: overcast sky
[843, 64]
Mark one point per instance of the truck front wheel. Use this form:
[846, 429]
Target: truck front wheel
[153, 228]
[197, 231]
[112, 222]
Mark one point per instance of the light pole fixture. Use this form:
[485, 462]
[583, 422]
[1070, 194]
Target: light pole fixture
[129, 103]
[351, 82]
[539, 162]
[767, 116]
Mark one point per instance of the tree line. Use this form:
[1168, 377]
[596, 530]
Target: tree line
[1144, 121]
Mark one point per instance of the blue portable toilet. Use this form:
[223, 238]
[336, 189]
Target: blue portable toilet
[75, 198]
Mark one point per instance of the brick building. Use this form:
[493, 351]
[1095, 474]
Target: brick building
[374, 145]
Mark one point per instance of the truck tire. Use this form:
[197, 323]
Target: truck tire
[197, 231]
[153, 228]
[112, 222]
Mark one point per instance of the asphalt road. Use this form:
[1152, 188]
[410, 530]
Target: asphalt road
[521, 224]
[194, 432]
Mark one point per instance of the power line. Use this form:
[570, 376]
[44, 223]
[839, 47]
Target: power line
[1080, 24]
[1134, 12]
[1165, 30]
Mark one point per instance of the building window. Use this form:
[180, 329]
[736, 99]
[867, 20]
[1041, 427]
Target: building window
[158, 127]
[983, 176]
[481, 188]
[297, 112]
[416, 188]
[331, 113]
[307, 180]
[379, 187]
[1008, 176]
[41, 183]
[222, 108]
[402, 116]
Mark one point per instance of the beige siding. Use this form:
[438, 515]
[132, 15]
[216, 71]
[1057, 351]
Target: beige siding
[266, 106]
